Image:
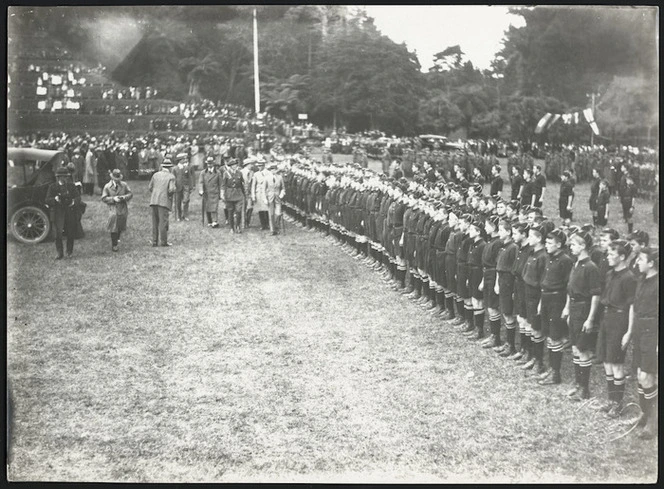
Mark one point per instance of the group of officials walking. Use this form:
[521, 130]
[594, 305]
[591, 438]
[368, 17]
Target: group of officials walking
[257, 186]
[469, 258]
[241, 191]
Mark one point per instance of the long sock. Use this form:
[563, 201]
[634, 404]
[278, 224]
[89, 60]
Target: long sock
[469, 314]
[539, 350]
[495, 329]
[609, 387]
[577, 370]
[523, 341]
[555, 358]
[584, 375]
[461, 312]
[440, 300]
[418, 285]
[642, 400]
[402, 278]
[511, 336]
[425, 287]
[650, 398]
[479, 322]
[449, 301]
[619, 386]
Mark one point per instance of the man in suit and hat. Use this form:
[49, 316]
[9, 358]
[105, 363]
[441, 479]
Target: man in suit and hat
[162, 188]
[274, 193]
[247, 177]
[209, 187]
[184, 183]
[258, 193]
[63, 197]
[232, 184]
[116, 194]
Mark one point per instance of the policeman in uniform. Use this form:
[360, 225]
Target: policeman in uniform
[63, 197]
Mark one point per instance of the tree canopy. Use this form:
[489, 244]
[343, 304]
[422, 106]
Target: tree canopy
[333, 63]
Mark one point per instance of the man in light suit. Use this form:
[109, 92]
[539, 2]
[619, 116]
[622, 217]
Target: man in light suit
[184, 183]
[274, 193]
[248, 177]
[162, 188]
[258, 194]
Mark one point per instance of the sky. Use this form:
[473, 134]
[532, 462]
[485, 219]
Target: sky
[428, 29]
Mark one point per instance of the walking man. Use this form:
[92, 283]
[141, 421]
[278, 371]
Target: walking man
[63, 197]
[116, 194]
[162, 188]
[232, 185]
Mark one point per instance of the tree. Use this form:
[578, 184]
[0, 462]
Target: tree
[197, 70]
[365, 80]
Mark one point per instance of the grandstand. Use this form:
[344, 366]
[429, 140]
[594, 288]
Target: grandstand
[49, 90]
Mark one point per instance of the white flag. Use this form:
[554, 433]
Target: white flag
[543, 122]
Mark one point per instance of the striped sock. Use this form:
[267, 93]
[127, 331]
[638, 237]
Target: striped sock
[577, 370]
[469, 313]
[449, 302]
[510, 330]
[494, 321]
[609, 387]
[619, 384]
[650, 395]
[642, 399]
[479, 322]
[584, 375]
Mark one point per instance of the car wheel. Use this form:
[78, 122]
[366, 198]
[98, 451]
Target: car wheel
[30, 225]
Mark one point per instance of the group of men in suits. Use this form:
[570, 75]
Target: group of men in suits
[257, 186]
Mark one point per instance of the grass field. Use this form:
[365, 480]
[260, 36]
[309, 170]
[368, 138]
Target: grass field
[259, 358]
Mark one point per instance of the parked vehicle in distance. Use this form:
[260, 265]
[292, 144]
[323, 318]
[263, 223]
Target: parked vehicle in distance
[29, 173]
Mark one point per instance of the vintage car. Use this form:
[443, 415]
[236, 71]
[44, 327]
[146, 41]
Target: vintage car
[29, 173]
[433, 141]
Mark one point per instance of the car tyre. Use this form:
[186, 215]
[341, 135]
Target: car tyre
[30, 225]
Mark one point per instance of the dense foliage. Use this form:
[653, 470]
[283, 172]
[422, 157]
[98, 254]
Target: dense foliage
[334, 64]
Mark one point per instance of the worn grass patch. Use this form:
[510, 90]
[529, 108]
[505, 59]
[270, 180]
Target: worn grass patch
[260, 358]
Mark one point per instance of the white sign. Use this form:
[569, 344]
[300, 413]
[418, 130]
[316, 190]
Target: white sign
[302, 117]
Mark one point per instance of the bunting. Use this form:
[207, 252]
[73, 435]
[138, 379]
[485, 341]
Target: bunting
[549, 119]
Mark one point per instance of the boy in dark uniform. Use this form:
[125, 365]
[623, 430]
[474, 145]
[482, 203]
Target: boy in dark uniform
[439, 245]
[432, 260]
[397, 237]
[617, 297]
[496, 182]
[462, 273]
[487, 286]
[517, 183]
[504, 287]
[552, 303]
[627, 193]
[533, 273]
[540, 185]
[594, 193]
[645, 336]
[475, 274]
[583, 291]
[566, 198]
[528, 192]
[520, 233]
[453, 301]
[603, 203]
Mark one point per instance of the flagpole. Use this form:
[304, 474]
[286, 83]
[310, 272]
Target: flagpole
[592, 133]
[257, 97]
